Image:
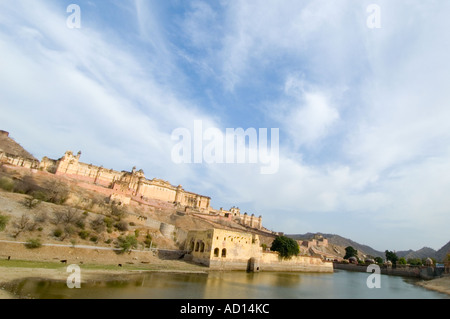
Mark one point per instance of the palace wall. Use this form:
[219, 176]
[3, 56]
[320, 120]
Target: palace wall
[126, 186]
[18, 160]
[244, 219]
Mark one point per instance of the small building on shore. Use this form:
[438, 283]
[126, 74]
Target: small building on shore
[223, 249]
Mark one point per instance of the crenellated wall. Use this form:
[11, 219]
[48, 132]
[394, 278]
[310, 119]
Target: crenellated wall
[18, 160]
[235, 214]
[132, 184]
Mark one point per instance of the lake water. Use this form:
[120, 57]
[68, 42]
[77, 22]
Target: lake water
[231, 285]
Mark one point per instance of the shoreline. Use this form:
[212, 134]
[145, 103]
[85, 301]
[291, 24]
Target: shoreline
[441, 285]
[9, 275]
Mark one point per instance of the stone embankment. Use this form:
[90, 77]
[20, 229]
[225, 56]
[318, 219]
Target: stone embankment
[422, 272]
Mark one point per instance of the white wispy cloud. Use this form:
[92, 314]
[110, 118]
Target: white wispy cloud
[79, 88]
[363, 113]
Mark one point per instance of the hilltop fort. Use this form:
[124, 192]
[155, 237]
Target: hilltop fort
[125, 186]
[107, 207]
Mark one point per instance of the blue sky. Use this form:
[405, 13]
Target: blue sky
[363, 113]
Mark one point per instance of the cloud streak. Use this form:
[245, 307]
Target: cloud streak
[363, 113]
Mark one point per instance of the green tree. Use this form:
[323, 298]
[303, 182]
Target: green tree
[402, 261]
[414, 261]
[285, 246]
[33, 244]
[128, 243]
[350, 252]
[391, 256]
[378, 260]
[3, 222]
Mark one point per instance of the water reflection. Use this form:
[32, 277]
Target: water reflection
[227, 285]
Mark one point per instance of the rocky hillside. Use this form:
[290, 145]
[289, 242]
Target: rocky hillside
[342, 242]
[441, 254]
[8, 145]
[424, 252]
[337, 240]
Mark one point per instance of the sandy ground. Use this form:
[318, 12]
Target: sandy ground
[439, 284]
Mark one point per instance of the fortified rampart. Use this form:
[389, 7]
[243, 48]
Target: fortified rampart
[13, 154]
[125, 187]
[16, 160]
[234, 214]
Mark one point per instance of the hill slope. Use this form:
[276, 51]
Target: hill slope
[441, 254]
[424, 252]
[8, 145]
[341, 241]
[337, 240]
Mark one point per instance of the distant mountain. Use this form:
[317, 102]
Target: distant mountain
[341, 241]
[441, 254]
[337, 240]
[424, 252]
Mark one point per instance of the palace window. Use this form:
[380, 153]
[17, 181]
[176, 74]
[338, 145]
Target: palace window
[224, 253]
[216, 252]
[197, 246]
[202, 247]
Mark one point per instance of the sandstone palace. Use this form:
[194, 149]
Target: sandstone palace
[124, 187]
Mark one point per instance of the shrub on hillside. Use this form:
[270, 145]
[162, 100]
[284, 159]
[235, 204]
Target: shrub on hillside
[121, 226]
[3, 222]
[84, 234]
[94, 239]
[98, 224]
[109, 223]
[117, 211]
[58, 232]
[6, 184]
[26, 185]
[127, 243]
[33, 244]
[148, 241]
[56, 192]
[30, 202]
[68, 216]
[23, 224]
